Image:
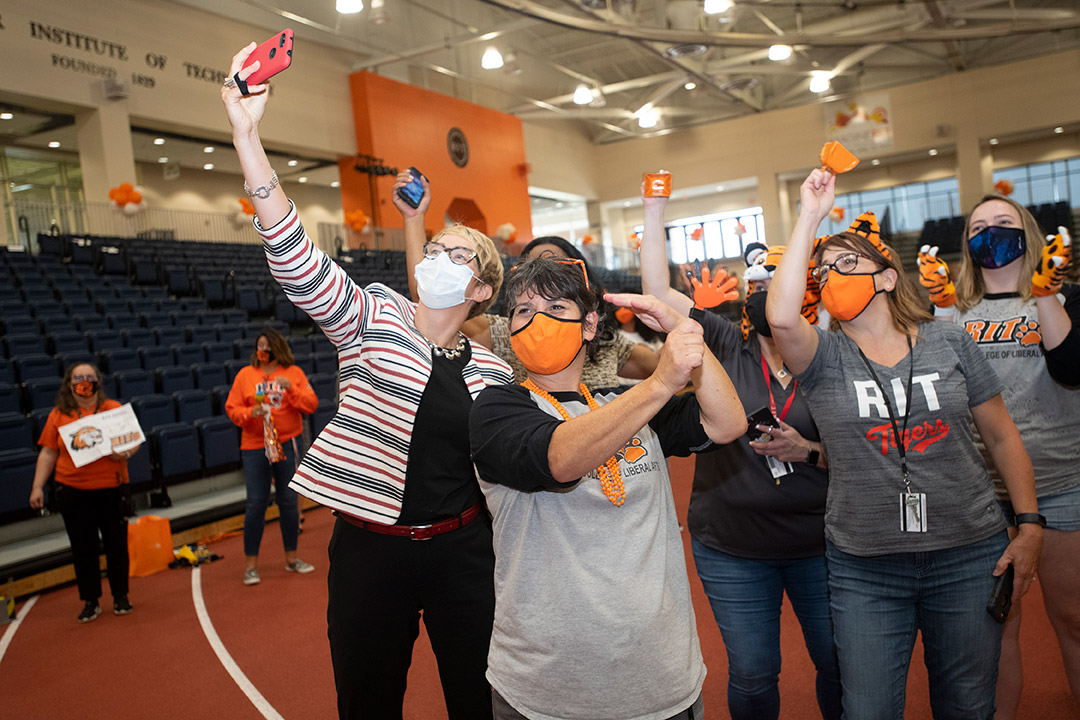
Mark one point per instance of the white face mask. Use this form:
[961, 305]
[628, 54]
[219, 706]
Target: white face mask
[441, 283]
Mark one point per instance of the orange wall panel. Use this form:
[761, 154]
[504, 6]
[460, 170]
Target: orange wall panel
[406, 125]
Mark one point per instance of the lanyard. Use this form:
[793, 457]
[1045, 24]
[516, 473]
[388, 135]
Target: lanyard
[768, 386]
[888, 406]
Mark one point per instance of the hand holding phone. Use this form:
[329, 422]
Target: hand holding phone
[1000, 601]
[413, 192]
[273, 56]
[763, 416]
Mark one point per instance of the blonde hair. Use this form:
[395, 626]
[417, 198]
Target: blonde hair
[487, 257]
[970, 287]
[905, 306]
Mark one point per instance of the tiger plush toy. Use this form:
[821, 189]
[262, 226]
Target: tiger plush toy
[1055, 263]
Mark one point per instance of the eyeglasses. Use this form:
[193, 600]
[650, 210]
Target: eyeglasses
[457, 255]
[844, 264]
[561, 261]
[83, 378]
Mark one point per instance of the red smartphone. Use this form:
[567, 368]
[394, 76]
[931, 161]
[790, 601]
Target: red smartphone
[274, 55]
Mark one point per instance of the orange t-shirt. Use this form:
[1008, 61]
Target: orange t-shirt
[286, 405]
[102, 473]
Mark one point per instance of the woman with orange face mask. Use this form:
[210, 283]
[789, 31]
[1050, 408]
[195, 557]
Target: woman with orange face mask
[89, 497]
[914, 535]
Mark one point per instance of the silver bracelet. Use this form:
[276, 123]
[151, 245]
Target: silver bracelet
[263, 191]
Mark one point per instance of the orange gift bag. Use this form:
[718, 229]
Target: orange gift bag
[150, 548]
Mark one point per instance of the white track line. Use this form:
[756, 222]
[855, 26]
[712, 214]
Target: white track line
[261, 704]
[10, 632]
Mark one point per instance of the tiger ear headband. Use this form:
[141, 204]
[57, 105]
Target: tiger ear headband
[867, 226]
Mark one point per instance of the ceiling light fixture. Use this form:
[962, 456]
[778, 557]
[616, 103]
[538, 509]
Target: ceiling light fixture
[492, 59]
[1059, 130]
[208, 166]
[933, 152]
[335, 184]
[379, 14]
[690, 86]
[294, 163]
[208, 149]
[777, 53]
[582, 95]
[159, 141]
[994, 141]
[875, 162]
[6, 116]
[349, 7]
[716, 7]
[649, 118]
[54, 144]
[302, 179]
[163, 160]
[819, 82]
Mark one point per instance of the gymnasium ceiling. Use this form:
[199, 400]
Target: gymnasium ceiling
[669, 56]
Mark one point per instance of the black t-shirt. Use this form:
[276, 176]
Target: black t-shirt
[440, 481]
[1063, 362]
[736, 506]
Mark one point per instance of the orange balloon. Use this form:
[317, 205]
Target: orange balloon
[135, 196]
[126, 187]
[586, 240]
[697, 234]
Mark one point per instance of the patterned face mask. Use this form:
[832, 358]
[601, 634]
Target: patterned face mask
[996, 247]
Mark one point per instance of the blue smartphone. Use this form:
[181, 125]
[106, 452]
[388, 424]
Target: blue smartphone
[413, 193]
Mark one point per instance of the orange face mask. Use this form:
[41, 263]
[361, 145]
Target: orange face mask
[846, 296]
[547, 345]
[262, 356]
[86, 388]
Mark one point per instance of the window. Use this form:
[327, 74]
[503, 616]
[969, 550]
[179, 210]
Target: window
[720, 236]
[903, 208]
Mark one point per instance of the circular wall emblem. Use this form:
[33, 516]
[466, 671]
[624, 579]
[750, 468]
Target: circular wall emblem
[458, 147]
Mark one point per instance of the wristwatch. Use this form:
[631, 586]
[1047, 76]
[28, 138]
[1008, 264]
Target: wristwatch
[1036, 518]
[812, 457]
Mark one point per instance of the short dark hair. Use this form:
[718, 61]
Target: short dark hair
[553, 280]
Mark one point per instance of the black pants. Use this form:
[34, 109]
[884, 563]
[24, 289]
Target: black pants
[379, 584]
[85, 513]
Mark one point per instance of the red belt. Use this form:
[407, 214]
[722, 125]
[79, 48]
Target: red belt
[417, 532]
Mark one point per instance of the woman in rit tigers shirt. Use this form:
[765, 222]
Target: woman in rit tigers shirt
[270, 384]
[89, 496]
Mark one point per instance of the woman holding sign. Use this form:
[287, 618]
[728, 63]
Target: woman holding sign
[89, 496]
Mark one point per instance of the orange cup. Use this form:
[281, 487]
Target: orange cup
[658, 184]
[836, 158]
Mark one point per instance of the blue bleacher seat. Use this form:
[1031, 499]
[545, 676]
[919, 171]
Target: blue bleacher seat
[7, 371]
[320, 343]
[9, 398]
[305, 361]
[322, 415]
[107, 306]
[89, 321]
[51, 244]
[155, 319]
[219, 394]
[145, 272]
[209, 374]
[82, 254]
[135, 337]
[138, 465]
[36, 365]
[213, 318]
[62, 342]
[286, 312]
[323, 385]
[104, 340]
[153, 356]
[192, 405]
[112, 263]
[171, 379]
[67, 359]
[184, 354]
[300, 344]
[116, 359]
[15, 431]
[153, 410]
[177, 449]
[19, 467]
[183, 318]
[19, 324]
[119, 320]
[23, 344]
[235, 316]
[243, 349]
[167, 335]
[56, 322]
[212, 288]
[193, 304]
[199, 334]
[232, 367]
[325, 362]
[42, 392]
[130, 383]
[219, 440]
[217, 352]
[177, 281]
[37, 420]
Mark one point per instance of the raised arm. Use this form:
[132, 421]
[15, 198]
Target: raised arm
[655, 276]
[794, 335]
[413, 217]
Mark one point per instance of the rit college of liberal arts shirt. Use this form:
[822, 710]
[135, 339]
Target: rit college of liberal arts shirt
[593, 617]
[949, 376]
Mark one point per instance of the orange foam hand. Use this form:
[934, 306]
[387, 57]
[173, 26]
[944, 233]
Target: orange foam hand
[934, 276]
[1053, 265]
[710, 292]
[837, 159]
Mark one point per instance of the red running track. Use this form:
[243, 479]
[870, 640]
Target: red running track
[158, 663]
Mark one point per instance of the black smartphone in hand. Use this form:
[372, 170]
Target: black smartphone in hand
[413, 193]
[763, 416]
[1000, 601]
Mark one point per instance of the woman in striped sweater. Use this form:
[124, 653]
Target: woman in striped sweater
[406, 373]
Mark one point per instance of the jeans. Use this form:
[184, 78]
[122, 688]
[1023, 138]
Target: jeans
[86, 513]
[746, 597]
[880, 603]
[257, 474]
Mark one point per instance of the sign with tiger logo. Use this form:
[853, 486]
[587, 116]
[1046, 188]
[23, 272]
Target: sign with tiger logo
[101, 434]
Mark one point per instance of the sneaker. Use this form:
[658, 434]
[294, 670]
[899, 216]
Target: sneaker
[89, 612]
[299, 566]
[121, 606]
[251, 577]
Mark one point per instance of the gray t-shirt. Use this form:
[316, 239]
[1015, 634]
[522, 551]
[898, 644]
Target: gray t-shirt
[1006, 329]
[593, 615]
[950, 376]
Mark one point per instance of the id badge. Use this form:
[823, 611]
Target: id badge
[913, 512]
[778, 468]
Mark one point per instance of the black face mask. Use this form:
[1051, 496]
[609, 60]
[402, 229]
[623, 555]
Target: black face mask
[755, 312]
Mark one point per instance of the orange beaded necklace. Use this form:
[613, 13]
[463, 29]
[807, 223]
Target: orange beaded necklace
[610, 477]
